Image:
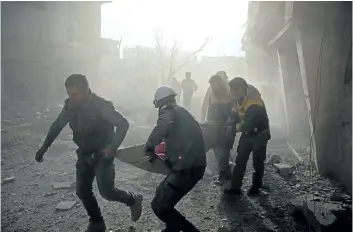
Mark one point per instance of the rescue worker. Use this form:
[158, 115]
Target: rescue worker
[188, 87]
[250, 118]
[217, 105]
[223, 74]
[186, 158]
[176, 86]
[92, 120]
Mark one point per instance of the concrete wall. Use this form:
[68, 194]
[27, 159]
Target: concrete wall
[315, 60]
[328, 26]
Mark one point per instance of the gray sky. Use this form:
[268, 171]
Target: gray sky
[190, 22]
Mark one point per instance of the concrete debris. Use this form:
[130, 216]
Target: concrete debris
[339, 197]
[321, 218]
[274, 159]
[49, 194]
[64, 185]
[65, 205]
[9, 180]
[336, 209]
[284, 169]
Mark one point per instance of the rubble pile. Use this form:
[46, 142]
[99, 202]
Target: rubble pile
[322, 203]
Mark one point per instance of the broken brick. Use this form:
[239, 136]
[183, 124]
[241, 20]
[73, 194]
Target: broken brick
[274, 159]
[64, 185]
[284, 169]
[9, 180]
[321, 218]
[65, 205]
[336, 209]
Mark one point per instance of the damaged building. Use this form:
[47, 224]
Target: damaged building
[305, 50]
[43, 42]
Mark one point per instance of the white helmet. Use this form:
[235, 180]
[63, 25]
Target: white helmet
[163, 92]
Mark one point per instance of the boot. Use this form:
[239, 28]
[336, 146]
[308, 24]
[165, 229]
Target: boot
[136, 208]
[233, 191]
[96, 226]
[256, 185]
[254, 190]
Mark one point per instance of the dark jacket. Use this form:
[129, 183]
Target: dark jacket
[250, 117]
[182, 135]
[92, 125]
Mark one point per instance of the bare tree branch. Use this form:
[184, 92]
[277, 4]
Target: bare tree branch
[166, 58]
[172, 58]
[186, 59]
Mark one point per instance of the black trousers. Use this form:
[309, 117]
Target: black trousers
[244, 149]
[187, 101]
[168, 193]
[87, 168]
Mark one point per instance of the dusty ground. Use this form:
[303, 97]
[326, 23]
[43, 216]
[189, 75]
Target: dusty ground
[28, 203]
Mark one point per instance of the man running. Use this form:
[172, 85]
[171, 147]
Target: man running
[92, 120]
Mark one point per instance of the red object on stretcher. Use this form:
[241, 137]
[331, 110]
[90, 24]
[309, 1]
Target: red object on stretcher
[159, 150]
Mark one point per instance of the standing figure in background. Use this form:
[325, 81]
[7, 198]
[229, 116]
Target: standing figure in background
[216, 106]
[188, 87]
[250, 118]
[186, 154]
[92, 120]
[176, 86]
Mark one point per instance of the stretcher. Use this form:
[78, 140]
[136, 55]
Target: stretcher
[135, 155]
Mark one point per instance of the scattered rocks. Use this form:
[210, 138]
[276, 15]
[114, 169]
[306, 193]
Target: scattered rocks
[65, 205]
[9, 180]
[274, 159]
[64, 185]
[321, 218]
[336, 209]
[337, 197]
[49, 194]
[284, 169]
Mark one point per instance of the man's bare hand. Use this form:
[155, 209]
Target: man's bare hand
[40, 153]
